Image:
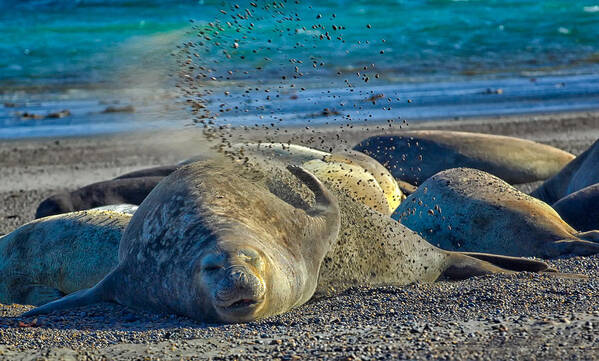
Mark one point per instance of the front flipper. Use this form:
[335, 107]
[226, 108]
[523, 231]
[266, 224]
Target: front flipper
[98, 293]
[465, 265]
[40, 294]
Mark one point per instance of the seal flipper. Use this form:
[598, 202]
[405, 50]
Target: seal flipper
[99, 293]
[41, 294]
[591, 236]
[517, 264]
[465, 265]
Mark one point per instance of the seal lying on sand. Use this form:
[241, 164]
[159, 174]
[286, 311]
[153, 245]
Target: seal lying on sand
[581, 208]
[161, 171]
[579, 173]
[357, 173]
[221, 242]
[50, 257]
[120, 208]
[414, 156]
[469, 210]
[116, 191]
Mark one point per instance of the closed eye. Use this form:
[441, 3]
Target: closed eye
[211, 268]
[212, 263]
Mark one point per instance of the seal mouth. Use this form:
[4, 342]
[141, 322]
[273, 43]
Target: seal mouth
[242, 305]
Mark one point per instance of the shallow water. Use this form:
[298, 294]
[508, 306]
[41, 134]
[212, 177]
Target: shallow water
[451, 58]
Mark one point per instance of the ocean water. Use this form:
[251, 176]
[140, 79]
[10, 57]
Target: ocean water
[450, 58]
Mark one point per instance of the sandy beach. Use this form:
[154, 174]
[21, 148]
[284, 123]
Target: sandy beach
[525, 316]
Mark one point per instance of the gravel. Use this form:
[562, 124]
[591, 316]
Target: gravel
[499, 317]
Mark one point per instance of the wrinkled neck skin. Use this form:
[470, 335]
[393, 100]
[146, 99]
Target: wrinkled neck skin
[231, 275]
[239, 277]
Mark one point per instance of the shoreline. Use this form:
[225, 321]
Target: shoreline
[146, 106]
[520, 316]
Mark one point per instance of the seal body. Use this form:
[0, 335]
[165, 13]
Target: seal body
[50, 257]
[581, 208]
[236, 242]
[214, 243]
[578, 174]
[115, 191]
[360, 175]
[469, 210]
[414, 156]
[120, 208]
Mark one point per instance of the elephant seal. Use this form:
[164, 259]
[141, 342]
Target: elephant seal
[233, 243]
[390, 187]
[45, 259]
[365, 178]
[581, 208]
[414, 156]
[469, 210]
[579, 173]
[161, 171]
[354, 179]
[120, 208]
[116, 191]
[219, 246]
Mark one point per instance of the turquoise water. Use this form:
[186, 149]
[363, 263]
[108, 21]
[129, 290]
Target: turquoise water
[68, 40]
[54, 46]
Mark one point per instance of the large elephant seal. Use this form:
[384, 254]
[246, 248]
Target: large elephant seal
[579, 173]
[354, 179]
[221, 242]
[469, 210]
[115, 191]
[218, 246]
[391, 189]
[414, 156]
[50, 257]
[581, 208]
[362, 176]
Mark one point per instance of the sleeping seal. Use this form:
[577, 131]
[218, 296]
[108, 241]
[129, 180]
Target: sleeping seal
[414, 156]
[581, 208]
[120, 208]
[222, 242]
[469, 210]
[579, 173]
[362, 176]
[50, 257]
[115, 191]
[219, 246]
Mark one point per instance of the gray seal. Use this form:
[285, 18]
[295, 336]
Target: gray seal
[414, 156]
[45, 259]
[465, 209]
[233, 243]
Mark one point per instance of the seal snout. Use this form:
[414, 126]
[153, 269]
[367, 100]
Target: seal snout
[239, 289]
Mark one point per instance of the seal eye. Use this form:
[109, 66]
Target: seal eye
[211, 268]
[211, 264]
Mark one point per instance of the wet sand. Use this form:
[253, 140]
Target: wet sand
[525, 316]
